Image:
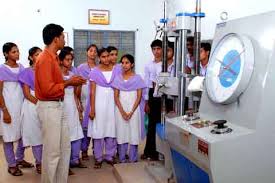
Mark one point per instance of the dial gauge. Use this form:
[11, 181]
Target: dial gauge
[230, 68]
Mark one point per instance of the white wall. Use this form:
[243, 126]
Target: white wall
[213, 9]
[23, 24]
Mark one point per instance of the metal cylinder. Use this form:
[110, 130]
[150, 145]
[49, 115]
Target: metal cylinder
[197, 42]
[175, 71]
[164, 53]
[175, 56]
[182, 50]
[164, 41]
[197, 38]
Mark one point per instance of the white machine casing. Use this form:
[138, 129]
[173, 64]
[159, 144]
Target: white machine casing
[247, 154]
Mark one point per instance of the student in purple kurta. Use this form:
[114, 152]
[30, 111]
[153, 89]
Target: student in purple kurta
[102, 125]
[31, 125]
[11, 99]
[129, 111]
[83, 93]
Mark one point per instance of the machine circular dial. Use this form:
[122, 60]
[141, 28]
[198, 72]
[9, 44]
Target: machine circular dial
[230, 68]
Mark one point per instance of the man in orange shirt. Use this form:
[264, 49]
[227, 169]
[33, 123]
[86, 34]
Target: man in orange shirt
[49, 90]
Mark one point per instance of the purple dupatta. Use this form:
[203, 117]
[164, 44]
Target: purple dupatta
[27, 77]
[7, 75]
[97, 76]
[117, 68]
[132, 84]
[84, 70]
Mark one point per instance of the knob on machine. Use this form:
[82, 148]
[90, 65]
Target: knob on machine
[220, 127]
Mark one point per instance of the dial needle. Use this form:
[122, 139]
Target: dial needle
[233, 60]
[225, 67]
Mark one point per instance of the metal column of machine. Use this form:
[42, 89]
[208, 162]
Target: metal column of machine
[176, 43]
[197, 37]
[197, 41]
[181, 62]
[164, 59]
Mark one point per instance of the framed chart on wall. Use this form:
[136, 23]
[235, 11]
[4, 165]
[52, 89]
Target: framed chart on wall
[101, 17]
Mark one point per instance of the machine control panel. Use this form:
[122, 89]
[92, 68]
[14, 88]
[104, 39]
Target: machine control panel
[196, 139]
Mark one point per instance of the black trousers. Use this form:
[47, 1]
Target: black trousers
[154, 118]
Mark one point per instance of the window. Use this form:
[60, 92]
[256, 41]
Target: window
[123, 40]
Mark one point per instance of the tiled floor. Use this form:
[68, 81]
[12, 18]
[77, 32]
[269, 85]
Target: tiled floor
[133, 173]
[103, 175]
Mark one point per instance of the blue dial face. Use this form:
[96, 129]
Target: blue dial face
[230, 68]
